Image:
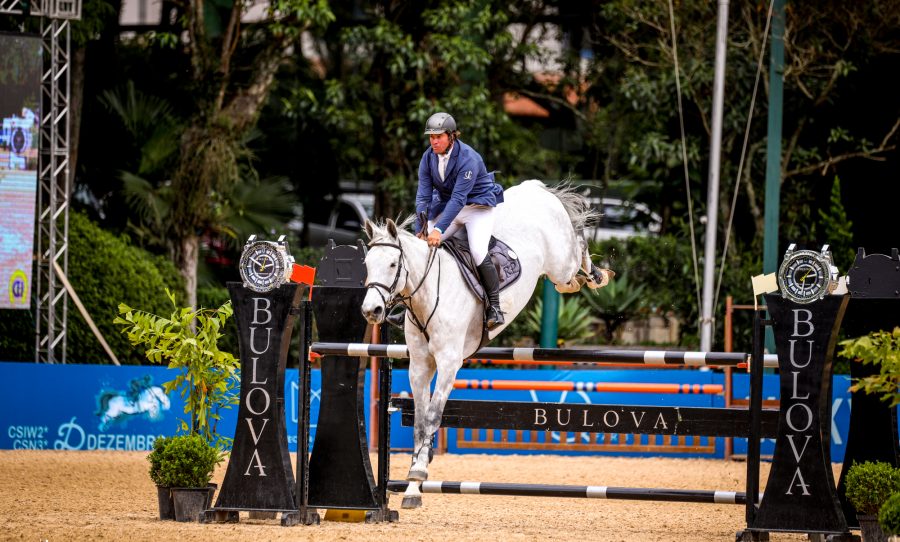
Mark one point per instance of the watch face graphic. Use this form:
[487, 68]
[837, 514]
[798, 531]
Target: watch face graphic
[263, 266]
[805, 276]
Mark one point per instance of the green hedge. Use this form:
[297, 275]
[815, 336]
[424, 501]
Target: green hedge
[104, 270]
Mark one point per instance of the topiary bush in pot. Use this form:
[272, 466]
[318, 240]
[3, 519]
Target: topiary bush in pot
[868, 487]
[163, 492]
[889, 515]
[185, 463]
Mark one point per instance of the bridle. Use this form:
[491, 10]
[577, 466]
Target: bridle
[391, 297]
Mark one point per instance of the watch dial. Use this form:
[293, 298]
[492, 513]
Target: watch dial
[262, 267]
[804, 277]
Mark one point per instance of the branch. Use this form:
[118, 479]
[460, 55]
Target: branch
[825, 165]
[244, 107]
[229, 44]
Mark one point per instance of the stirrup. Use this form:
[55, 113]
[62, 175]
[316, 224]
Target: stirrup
[493, 318]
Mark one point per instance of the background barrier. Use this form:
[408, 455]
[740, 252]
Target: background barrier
[56, 407]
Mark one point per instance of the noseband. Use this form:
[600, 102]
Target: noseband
[391, 298]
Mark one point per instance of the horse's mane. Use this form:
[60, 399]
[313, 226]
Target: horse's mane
[577, 206]
[379, 227]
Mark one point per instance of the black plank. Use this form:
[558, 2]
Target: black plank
[653, 420]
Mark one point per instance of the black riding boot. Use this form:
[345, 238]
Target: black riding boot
[491, 283]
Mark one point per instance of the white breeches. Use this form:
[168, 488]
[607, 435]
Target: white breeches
[479, 223]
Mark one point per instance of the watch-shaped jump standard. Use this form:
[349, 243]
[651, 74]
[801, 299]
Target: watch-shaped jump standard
[806, 275]
[265, 265]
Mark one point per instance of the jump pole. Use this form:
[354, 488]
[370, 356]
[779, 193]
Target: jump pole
[551, 355]
[577, 492]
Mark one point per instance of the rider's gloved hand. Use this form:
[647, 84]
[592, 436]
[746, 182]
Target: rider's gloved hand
[434, 238]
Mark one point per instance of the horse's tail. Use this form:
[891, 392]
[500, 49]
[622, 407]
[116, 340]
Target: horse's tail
[576, 205]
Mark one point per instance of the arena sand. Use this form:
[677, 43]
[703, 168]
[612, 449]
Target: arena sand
[108, 496]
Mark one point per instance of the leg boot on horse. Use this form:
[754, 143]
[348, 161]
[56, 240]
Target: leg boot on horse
[491, 282]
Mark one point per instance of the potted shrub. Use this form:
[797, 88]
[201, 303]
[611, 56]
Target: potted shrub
[207, 380]
[163, 492]
[889, 515]
[868, 487]
[188, 342]
[185, 463]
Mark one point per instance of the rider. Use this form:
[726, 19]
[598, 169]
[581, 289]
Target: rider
[456, 190]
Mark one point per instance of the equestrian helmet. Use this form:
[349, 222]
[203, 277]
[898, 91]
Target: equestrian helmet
[440, 123]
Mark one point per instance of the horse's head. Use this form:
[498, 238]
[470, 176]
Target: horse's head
[385, 269]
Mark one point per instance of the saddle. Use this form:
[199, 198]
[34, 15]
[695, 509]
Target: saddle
[504, 258]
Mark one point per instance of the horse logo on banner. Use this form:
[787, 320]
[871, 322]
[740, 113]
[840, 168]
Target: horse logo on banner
[142, 398]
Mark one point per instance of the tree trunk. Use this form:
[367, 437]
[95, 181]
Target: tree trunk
[186, 260]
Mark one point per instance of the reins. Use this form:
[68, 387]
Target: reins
[393, 299]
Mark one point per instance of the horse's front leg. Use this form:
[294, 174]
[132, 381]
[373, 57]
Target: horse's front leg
[421, 371]
[428, 421]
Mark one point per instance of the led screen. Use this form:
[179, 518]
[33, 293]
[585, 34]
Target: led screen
[20, 101]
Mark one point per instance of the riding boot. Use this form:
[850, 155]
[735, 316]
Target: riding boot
[491, 282]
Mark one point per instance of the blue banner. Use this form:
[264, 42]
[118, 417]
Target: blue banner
[104, 407]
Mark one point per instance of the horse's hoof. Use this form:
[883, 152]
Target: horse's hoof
[411, 502]
[417, 475]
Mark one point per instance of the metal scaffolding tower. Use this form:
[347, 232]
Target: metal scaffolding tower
[51, 298]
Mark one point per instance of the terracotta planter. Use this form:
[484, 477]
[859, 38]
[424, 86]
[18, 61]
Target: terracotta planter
[190, 502]
[870, 529]
[166, 506]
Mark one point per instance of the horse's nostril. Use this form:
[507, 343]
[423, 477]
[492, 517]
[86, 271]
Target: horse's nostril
[378, 311]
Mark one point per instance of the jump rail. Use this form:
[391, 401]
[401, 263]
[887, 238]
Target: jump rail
[553, 355]
[578, 492]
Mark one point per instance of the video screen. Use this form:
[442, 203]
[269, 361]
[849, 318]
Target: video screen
[20, 114]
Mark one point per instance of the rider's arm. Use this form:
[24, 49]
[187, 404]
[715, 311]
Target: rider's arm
[424, 192]
[466, 174]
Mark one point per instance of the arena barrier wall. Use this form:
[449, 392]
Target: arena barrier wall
[58, 407]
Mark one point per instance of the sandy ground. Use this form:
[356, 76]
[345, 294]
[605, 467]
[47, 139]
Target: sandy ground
[106, 496]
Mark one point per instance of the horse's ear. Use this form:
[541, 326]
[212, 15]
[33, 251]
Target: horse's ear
[369, 228]
[392, 228]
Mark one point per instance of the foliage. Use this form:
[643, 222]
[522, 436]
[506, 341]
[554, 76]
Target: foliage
[575, 325]
[155, 458]
[869, 484]
[388, 67]
[662, 267]
[880, 348]
[827, 127]
[183, 461]
[889, 515]
[188, 341]
[837, 228]
[616, 303]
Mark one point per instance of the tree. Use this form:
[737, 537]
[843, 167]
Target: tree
[386, 67]
[829, 52]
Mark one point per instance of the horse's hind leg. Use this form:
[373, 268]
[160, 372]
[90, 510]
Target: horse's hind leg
[595, 277]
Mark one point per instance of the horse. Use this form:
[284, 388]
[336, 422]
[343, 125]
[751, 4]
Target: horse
[114, 405]
[542, 225]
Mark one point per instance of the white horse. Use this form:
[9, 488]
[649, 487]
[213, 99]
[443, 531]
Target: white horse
[150, 400]
[542, 225]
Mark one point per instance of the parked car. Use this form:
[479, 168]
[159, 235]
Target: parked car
[622, 219]
[343, 223]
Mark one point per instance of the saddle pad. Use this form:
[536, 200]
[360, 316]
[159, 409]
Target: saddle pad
[505, 261]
